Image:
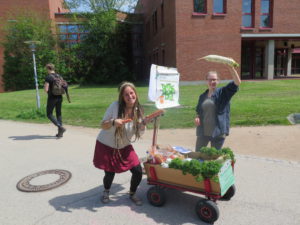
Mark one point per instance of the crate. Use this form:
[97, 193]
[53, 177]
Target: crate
[175, 177]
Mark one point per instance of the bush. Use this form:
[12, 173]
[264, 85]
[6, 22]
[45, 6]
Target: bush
[18, 68]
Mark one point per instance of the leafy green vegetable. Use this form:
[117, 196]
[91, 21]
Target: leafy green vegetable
[212, 152]
[207, 169]
[195, 167]
[228, 153]
[210, 168]
[176, 164]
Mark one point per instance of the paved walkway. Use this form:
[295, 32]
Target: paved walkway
[267, 187]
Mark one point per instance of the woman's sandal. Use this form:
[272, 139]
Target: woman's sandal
[105, 197]
[135, 200]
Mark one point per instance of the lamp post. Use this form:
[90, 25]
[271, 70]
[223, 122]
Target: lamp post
[32, 46]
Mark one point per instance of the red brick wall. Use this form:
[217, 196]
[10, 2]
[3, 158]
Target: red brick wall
[165, 38]
[198, 36]
[56, 6]
[286, 16]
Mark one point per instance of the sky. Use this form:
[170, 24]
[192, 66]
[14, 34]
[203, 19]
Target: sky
[125, 8]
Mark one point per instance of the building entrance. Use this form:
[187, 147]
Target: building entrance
[252, 60]
[281, 59]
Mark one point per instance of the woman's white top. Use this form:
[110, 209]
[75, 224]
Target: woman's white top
[107, 136]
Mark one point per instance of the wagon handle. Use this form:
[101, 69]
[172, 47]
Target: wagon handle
[155, 131]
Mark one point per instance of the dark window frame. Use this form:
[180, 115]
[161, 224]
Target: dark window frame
[270, 14]
[162, 9]
[148, 30]
[224, 12]
[204, 12]
[252, 14]
[67, 33]
[154, 22]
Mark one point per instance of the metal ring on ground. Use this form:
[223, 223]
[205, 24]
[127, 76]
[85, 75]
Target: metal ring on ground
[24, 184]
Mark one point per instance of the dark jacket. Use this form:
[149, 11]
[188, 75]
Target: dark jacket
[221, 98]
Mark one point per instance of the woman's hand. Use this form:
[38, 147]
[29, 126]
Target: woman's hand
[235, 75]
[120, 122]
[146, 120]
[197, 121]
[114, 122]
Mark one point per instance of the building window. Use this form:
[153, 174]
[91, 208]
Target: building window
[220, 6]
[71, 33]
[154, 22]
[200, 6]
[266, 13]
[148, 30]
[248, 14]
[162, 14]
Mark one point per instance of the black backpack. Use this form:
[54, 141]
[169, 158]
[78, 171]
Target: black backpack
[59, 85]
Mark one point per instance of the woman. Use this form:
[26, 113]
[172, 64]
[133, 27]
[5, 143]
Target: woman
[213, 111]
[114, 153]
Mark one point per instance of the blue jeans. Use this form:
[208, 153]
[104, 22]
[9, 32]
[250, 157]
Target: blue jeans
[202, 141]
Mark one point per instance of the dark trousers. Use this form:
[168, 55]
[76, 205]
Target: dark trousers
[54, 102]
[135, 178]
[202, 141]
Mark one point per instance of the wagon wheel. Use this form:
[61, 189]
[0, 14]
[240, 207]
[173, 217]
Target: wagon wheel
[156, 196]
[207, 210]
[230, 193]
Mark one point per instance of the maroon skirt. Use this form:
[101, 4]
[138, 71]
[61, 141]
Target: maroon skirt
[115, 160]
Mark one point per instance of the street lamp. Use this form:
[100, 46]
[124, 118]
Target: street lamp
[32, 46]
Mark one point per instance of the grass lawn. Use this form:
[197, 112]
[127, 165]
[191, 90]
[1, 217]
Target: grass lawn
[256, 103]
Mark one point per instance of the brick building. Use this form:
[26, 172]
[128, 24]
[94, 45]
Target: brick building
[263, 36]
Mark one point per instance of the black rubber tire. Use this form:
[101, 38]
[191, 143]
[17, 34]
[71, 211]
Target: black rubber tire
[207, 211]
[230, 193]
[156, 196]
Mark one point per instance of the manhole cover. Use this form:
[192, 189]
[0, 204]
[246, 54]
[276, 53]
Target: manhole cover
[24, 184]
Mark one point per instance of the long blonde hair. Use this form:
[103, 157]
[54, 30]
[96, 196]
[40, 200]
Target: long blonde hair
[137, 112]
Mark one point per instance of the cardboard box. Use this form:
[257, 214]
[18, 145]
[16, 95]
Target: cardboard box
[176, 177]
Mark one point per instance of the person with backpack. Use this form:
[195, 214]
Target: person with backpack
[55, 87]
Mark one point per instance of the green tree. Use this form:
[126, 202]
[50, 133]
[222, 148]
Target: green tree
[100, 5]
[104, 54]
[18, 66]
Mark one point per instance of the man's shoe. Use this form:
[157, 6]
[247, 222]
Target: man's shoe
[61, 130]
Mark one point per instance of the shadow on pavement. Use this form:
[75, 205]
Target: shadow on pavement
[31, 137]
[89, 200]
[179, 207]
